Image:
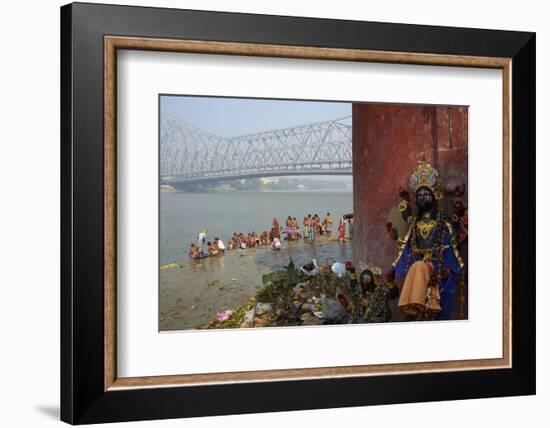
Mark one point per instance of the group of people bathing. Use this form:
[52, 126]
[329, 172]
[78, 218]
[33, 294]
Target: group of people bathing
[204, 249]
[312, 227]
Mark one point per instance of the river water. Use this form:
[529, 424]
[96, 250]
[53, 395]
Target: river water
[184, 215]
[192, 293]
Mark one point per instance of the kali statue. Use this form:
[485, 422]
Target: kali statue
[428, 254]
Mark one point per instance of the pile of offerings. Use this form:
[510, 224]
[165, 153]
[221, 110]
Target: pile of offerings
[315, 295]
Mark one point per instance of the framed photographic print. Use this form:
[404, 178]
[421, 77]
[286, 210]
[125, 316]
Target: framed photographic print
[265, 213]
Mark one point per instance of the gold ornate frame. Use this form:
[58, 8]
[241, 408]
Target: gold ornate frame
[114, 43]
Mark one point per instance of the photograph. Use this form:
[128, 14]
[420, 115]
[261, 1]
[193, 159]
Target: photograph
[287, 209]
[290, 213]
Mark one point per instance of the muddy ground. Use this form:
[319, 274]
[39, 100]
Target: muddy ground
[193, 293]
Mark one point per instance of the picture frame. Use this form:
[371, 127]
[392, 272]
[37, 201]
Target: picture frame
[91, 391]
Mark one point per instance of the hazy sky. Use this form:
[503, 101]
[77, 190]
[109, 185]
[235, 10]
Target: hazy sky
[230, 117]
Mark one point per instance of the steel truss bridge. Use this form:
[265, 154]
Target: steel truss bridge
[189, 155]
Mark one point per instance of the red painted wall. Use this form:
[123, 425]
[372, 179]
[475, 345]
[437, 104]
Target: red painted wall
[388, 140]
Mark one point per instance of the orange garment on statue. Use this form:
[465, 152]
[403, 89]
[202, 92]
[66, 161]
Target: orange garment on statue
[412, 299]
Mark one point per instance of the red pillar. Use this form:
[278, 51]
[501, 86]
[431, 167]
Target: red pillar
[388, 140]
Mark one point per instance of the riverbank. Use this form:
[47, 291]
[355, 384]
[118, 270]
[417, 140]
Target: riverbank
[192, 292]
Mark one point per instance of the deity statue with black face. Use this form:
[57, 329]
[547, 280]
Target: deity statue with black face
[428, 255]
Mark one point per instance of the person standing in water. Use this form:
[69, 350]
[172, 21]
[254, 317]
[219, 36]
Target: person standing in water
[328, 223]
[201, 241]
[341, 230]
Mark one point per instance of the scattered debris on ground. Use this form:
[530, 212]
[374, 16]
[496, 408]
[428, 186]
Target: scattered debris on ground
[313, 295]
[171, 266]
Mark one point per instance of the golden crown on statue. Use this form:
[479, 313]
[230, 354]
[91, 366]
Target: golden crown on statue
[425, 175]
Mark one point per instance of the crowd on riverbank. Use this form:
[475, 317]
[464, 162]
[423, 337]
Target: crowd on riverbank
[311, 227]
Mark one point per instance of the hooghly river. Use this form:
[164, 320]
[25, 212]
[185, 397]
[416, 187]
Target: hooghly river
[184, 215]
[192, 294]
